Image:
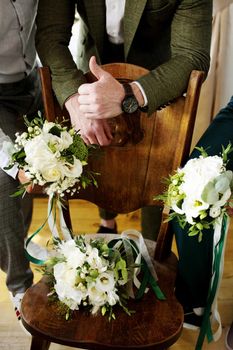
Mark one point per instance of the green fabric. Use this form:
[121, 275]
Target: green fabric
[170, 39]
[196, 259]
[194, 267]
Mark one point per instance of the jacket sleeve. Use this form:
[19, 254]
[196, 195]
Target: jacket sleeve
[54, 26]
[190, 46]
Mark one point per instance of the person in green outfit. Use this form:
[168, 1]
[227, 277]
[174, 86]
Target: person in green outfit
[195, 267]
[169, 38]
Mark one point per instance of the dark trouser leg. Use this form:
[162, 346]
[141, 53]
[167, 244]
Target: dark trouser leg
[195, 259]
[107, 215]
[16, 99]
[150, 220]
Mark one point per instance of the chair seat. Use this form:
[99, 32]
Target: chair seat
[145, 329]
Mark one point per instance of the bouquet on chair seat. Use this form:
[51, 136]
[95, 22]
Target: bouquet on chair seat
[98, 273]
[52, 156]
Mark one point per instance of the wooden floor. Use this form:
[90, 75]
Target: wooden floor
[85, 220]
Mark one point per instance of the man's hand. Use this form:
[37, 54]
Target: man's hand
[24, 179]
[101, 99]
[92, 131]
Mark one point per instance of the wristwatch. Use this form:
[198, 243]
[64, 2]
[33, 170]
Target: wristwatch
[129, 104]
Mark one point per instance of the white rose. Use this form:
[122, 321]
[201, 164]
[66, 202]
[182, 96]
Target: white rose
[66, 274]
[198, 172]
[52, 173]
[75, 258]
[38, 153]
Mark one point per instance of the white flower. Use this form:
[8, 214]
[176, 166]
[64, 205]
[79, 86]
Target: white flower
[38, 155]
[204, 187]
[66, 139]
[112, 297]
[83, 277]
[96, 296]
[49, 160]
[47, 126]
[198, 172]
[65, 285]
[52, 172]
[75, 258]
[73, 170]
[94, 260]
[63, 272]
[215, 211]
[105, 282]
[192, 208]
[69, 295]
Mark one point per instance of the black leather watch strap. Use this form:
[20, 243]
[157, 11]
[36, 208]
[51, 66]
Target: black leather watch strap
[128, 89]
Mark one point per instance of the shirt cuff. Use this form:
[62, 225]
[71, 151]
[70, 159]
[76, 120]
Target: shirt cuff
[142, 92]
[4, 162]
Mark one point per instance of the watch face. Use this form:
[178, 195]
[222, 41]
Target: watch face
[130, 104]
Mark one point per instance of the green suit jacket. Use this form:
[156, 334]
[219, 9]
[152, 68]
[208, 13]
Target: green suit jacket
[168, 37]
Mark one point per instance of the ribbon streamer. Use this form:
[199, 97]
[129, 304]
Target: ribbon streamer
[53, 205]
[211, 313]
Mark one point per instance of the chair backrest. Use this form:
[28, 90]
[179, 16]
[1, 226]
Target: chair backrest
[145, 148]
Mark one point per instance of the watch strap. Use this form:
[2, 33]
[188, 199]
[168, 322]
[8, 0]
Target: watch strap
[128, 89]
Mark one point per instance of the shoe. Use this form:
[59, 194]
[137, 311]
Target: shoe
[16, 300]
[104, 229]
[229, 338]
[37, 251]
[192, 321]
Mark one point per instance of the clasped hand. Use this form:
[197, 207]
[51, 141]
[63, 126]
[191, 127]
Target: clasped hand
[94, 103]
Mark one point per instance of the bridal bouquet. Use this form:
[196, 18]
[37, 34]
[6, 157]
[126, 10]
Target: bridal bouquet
[52, 156]
[92, 274]
[200, 192]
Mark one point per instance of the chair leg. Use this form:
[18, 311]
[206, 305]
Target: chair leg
[38, 343]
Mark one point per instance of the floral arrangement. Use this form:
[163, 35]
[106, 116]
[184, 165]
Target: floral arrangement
[98, 273]
[89, 274]
[52, 156]
[200, 192]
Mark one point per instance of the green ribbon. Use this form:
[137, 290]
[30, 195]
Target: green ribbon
[29, 256]
[148, 279]
[205, 329]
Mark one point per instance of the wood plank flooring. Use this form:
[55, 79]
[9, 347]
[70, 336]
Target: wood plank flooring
[85, 220]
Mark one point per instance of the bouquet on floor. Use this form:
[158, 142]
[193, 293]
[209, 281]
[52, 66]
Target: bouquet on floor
[96, 274]
[201, 192]
[52, 156]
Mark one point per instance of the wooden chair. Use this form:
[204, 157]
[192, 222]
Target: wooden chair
[144, 150]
